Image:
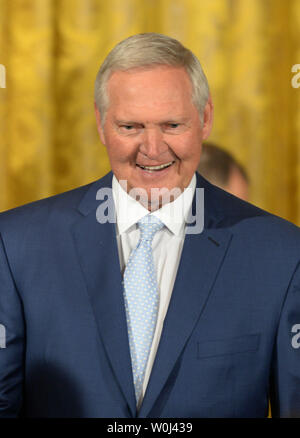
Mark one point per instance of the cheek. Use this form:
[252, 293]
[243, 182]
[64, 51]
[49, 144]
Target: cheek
[120, 150]
[188, 148]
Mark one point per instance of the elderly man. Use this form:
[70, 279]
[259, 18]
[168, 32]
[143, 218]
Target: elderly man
[133, 316]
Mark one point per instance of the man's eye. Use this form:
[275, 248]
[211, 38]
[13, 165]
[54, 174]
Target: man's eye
[173, 125]
[127, 129]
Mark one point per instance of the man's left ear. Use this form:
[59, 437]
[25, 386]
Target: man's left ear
[208, 115]
[99, 124]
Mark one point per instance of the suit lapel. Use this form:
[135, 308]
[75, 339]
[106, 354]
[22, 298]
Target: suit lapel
[201, 259]
[98, 258]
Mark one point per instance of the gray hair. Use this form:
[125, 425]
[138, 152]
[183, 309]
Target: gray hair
[147, 50]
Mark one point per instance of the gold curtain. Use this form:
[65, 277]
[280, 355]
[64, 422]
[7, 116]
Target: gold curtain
[52, 49]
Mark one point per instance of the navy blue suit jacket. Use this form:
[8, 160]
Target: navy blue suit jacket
[229, 339]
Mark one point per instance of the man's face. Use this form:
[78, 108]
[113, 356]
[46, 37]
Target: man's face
[152, 129]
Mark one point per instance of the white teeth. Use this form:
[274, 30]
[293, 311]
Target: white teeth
[162, 166]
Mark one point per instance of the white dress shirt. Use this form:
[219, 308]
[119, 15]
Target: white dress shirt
[166, 246]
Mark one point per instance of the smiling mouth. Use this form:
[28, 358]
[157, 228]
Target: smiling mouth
[156, 168]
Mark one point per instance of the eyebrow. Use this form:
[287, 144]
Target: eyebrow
[127, 122]
[131, 122]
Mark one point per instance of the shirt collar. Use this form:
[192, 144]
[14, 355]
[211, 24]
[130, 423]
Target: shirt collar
[173, 214]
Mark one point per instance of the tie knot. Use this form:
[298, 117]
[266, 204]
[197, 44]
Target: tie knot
[149, 225]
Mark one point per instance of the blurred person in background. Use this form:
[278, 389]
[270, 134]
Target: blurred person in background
[220, 167]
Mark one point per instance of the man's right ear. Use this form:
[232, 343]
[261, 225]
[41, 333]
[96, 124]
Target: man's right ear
[99, 125]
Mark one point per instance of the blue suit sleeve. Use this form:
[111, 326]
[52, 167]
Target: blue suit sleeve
[12, 341]
[285, 383]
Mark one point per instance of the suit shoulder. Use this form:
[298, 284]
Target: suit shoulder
[40, 211]
[239, 215]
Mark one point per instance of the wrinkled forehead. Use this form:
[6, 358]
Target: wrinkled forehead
[156, 87]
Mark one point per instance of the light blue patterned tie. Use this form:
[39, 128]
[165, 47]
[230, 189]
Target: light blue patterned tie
[141, 299]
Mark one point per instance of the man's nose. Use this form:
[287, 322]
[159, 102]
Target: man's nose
[153, 144]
